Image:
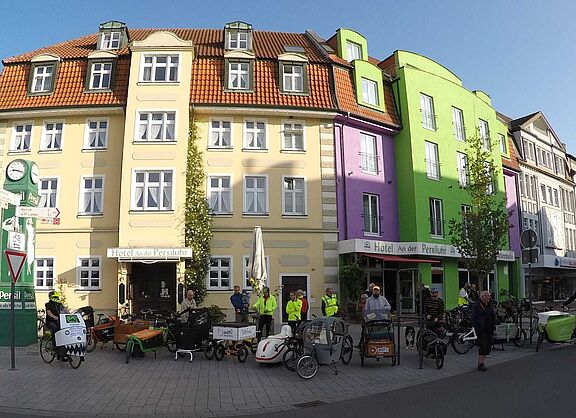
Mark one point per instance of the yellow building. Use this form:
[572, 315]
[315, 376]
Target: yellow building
[106, 117]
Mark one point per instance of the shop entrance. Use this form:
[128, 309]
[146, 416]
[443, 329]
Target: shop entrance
[153, 286]
[292, 284]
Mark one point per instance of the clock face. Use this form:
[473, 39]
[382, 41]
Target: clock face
[34, 174]
[16, 170]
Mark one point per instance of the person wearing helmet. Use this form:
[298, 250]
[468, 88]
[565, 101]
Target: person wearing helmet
[54, 308]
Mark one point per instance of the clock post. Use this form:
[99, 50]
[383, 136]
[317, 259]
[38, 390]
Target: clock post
[19, 234]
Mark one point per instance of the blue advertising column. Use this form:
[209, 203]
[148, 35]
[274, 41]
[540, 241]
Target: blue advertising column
[21, 178]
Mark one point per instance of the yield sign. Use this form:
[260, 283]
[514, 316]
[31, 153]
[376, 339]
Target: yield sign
[15, 263]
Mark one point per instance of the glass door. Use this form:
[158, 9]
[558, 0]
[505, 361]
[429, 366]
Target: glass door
[407, 292]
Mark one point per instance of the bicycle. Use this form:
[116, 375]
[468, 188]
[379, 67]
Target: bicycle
[40, 322]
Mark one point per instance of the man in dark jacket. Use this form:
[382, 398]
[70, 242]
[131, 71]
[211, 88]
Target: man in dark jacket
[484, 322]
[240, 308]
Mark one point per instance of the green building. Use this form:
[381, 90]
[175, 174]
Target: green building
[438, 114]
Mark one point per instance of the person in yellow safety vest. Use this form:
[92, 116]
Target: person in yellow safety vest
[463, 295]
[265, 305]
[293, 309]
[329, 303]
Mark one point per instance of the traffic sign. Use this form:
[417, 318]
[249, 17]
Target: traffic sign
[528, 238]
[9, 197]
[35, 212]
[16, 241]
[15, 263]
[529, 255]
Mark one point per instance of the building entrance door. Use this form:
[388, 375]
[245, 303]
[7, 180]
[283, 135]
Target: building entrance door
[407, 301]
[153, 286]
[292, 284]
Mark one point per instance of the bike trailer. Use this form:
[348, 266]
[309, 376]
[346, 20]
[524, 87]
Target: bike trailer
[87, 313]
[150, 338]
[560, 328]
[104, 332]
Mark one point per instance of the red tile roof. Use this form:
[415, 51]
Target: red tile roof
[347, 99]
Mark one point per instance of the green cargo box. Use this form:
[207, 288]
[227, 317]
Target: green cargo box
[560, 328]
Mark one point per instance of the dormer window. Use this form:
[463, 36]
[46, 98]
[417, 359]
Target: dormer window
[239, 74]
[110, 40]
[369, 92]
[293, 77]
[354, 51]
[238, 36]
[293, 70]
[43, 79]
[160, 68]
[100, 75]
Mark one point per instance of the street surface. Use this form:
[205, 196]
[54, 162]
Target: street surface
[105, 386]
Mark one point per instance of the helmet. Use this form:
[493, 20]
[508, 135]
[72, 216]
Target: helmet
[56, 297]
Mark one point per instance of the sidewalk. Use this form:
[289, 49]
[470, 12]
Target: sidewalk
[105, 386]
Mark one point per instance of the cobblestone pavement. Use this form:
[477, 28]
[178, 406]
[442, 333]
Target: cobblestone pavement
[105, 386]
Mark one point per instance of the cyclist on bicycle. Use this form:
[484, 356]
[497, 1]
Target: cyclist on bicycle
[434, 311]
[54, 308]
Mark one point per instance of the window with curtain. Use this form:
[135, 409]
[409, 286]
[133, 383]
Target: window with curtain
[293, 136]
[52, 136]
[432, 163]
[427, 110]
[255, 135]
[160, 68]
[371, 214]
[152, 190]
[294, 196]
[48, 193]
[156, 127]
[21, 137]
[91, 196]
[255, 195]
[220, 134]
[458, 124]
[219, 194]
[96, 134]
[368, 154]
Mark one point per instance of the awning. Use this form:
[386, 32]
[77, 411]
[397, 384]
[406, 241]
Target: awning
[399, 259]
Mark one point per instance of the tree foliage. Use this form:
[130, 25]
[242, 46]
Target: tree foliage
[352, 281]
[481, 232]
[197, 219]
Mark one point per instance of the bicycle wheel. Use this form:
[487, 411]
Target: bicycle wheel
[170, 342]
[306, 367]
[347, 350]
[290, 358]
[90, 342]
[219, 351]
[254, 345]
[46, 350]
[458, 344]
[75, 361]
[521, 337]
[242, 353]
[209, 349]
[129, 348]
[439, 356]
[120, 346]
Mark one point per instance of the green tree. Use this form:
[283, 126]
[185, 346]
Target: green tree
[482, 230]
[352, 282]
[197, 219]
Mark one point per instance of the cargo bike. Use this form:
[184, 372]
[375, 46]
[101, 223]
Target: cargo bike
[69, 342]
[377, 338]
[556, 327]
[191, 335]
[324, 341]
[228, 338]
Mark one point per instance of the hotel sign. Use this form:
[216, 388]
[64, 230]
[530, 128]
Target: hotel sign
[407, 248]
[149, 253]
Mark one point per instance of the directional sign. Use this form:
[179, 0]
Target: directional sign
[15, 263]
[9, 197]
[34, 212]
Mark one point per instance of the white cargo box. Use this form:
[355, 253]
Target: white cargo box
[544, 316]
[233, 332]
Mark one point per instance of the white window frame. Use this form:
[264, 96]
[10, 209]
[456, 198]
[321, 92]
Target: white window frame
[52, 139]
[370, 92]
[110, 40]
[238, 39]
[151, 122]
[255, 130]
[45, 196]
[491, 184]
[353, 51]
[153, 66]
[46, 79]
[44, 270]
[97, 131]
[502, 142]
[458, 124]
[427, 110]
[432, 161]
[368, 153]
[484, 130]
[290, 133]
[89, 269]
[217, 192]
[145, 186]
[220, 269]
[255, 191]
[436, 222]
[220, 131]
[246, 265]
[462, 160]
[292, 78]
[104, 70]
[236, 69]
[93, 193]
[293, 195]
[22, 141]
[373, 218]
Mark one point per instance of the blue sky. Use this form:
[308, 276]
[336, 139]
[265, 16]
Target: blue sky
[522, 53]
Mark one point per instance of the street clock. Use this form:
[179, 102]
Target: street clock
[16, 170]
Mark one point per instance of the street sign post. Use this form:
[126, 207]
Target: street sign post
[15, 263]
[9, 197]
[48, 215]
[529, 242]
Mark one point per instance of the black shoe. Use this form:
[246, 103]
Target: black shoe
[481, 367]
